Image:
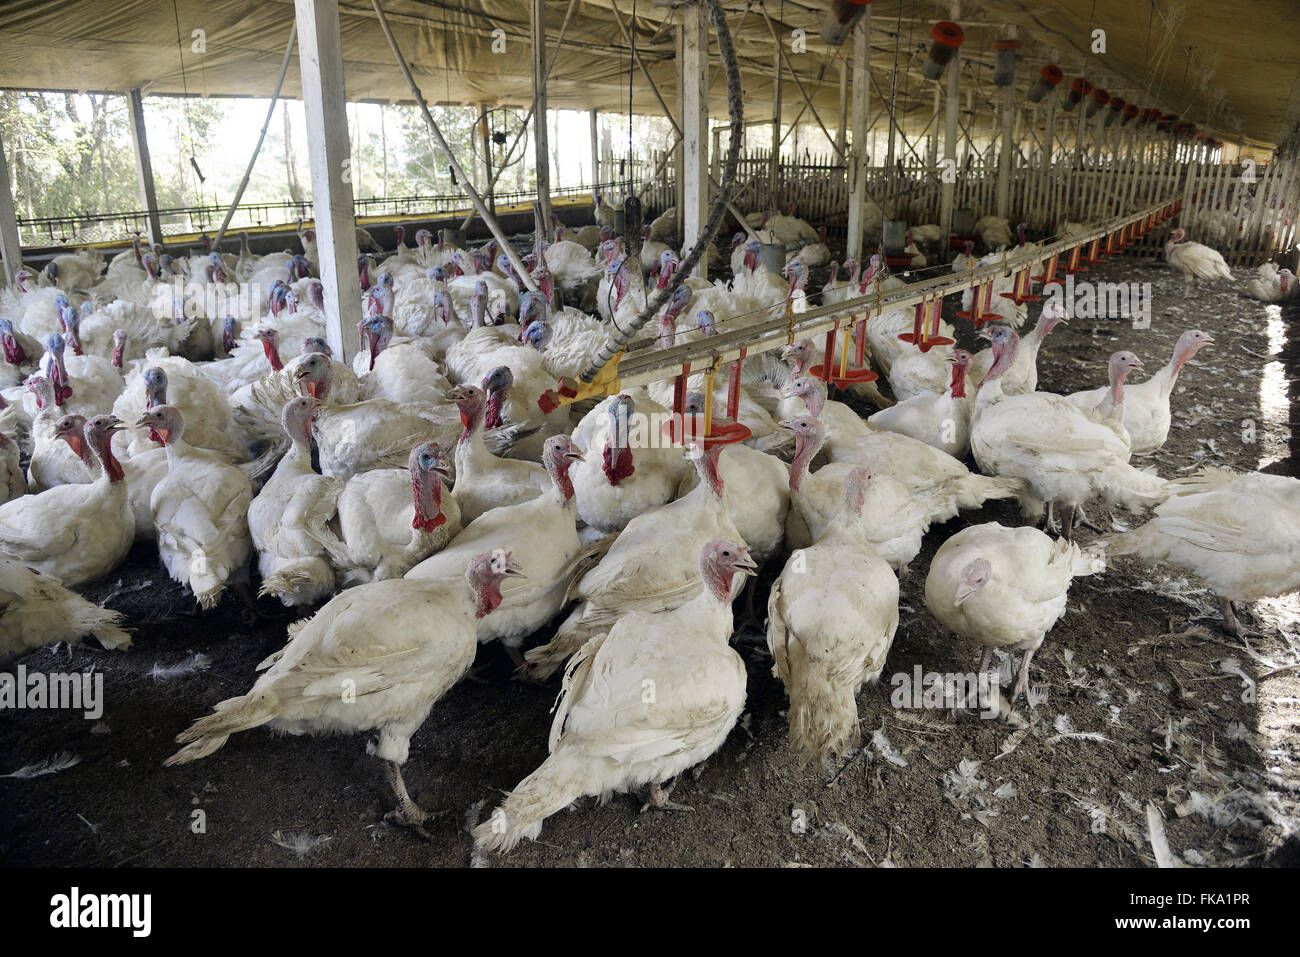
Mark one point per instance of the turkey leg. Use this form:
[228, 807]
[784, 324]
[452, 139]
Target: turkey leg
[657, 798]
[1022, 677]
[407, 813]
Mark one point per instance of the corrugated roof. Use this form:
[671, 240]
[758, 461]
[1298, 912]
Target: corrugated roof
[1205, 61]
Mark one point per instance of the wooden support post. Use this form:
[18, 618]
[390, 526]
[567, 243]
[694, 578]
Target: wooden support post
[320, 57]
[143, 165]
[540, 134]
[952, 105]
[1008, 146]
[11, 250]
[857, 158]
[841, 131]
[774, 162]
[695, 129]
[595, 148]
[679, 164]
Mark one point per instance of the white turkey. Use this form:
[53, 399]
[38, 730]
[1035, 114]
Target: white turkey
[1281, 284]
[649, 567]
[626, 471]
[200, 510]
[940, 419]
[832, 615]
[894, 517]
[1023, 374]
[348, 669]
[381, 529]
[1146, 404]
[35, 610]
[1238, 532]
[945, 482]
[1004, 588]
[75, 533]
[544, 538]
[287, 517]
[1066, 456]
[1194, 260]
[609, 734]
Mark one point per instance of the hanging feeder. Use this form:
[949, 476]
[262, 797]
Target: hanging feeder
[1094, 253]
[1049, 78]
[702, 429]
[1116, 111]
[925, 325]
[947, 37]
[1004, 73]
[894, 236]
[1099, 99]
[845, 375]
[1078, 90]
[1049, 277]
[1072, 264]
[1020, 292]
[773, 257]
[1130, 114]
[963, 230]
[981, 304]
[840, 20]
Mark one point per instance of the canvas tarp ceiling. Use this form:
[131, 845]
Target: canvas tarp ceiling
[1200, 59]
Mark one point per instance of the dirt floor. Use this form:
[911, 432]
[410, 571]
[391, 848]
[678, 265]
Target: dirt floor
[1125, 715]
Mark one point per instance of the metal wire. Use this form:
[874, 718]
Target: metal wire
[736, 111]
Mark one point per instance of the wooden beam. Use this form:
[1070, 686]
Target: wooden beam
[540, 134]
[595, 147]
[143, 165]
[858, 159]
[695, 127]
[324, 99]
[11, 250]
[1003, 201]
[774, 161]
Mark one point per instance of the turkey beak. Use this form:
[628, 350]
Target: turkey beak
[964, 591]
[141, 422]
[1207, 340]
[746, 565]
[575, 453]
[785, 425]
[984, 334]
[787, 353]
[514, 571]
[116, 426]
[1137, 364]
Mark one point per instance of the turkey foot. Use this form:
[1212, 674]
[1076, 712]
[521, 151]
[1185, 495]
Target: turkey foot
[1022, 677]
[407, 813]
[657, 798]
[522, 671]
[1230, 623]
[1082, 518]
